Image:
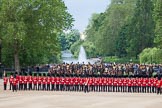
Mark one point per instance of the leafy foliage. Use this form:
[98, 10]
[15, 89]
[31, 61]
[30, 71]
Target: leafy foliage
[151, 55]
[29, 28]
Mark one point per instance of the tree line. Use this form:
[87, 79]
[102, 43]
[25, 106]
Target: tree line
[125, 29]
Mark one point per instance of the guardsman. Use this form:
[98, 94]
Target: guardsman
[14, 84]
[129, 85]
[25, 81]
[119, 85]
[57, 83]
[90, 84]
[81, 84]
[52, 82]
[30, 81]
[44, 81]
[96, 84]
[104, 84]
[66, 82]
[139, 85]
[10, 80]
[144, 86]
[77, 84]
[61, 83]
[149, 86]
[48, 82]
[115, 85]
[93, 84]
[5, 81]
[39, 81]
[109, 84]
[161, 86]
[154, 85]
[35, 80]
[158, 86]
[20, 82]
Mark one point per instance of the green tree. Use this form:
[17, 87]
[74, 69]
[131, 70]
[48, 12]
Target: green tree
[29, 30]
[158, 23]
[68, 39]
[141, 27]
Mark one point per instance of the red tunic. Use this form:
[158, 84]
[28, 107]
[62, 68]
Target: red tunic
[39, 80]
[20, 79]
[44, 80]
[25, 80]
[48, 80]
[35, 80]
[14, 81]
[52, 80]
[5, 80]
[30, 79]
[11, 79]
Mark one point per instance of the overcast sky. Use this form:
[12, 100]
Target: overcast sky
[83, 9]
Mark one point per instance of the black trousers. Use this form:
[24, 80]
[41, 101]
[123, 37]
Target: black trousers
[52, 87]
[81, 87]
[44, 87]
[5, 86]
[14, 88]
[158, 90]
[61, 87]
[11, 86]
[20, 86]
[25, 86]
[57, 87]
[129, 89]
[86, 88]
[48, 87]
[76, 87]
[35, 87]
[30, 86]
[39, 86]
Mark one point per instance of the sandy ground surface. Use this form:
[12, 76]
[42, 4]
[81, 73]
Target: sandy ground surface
[51, 99]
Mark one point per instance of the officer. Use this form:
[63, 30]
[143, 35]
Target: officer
[86, 85]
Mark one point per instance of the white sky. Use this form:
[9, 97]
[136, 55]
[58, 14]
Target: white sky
[83, 9]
